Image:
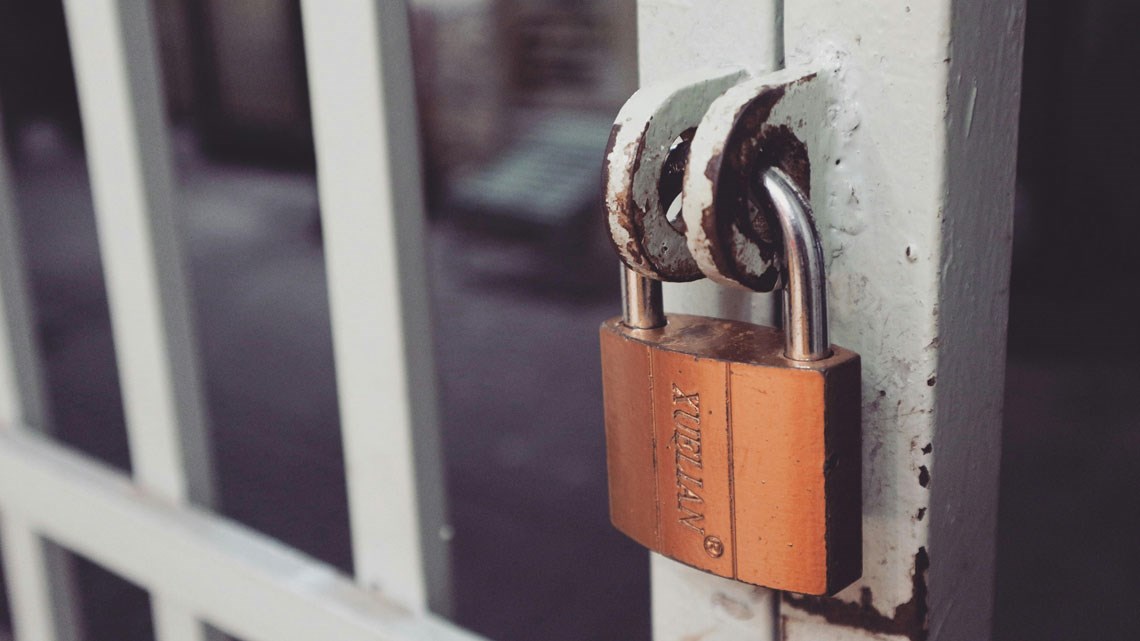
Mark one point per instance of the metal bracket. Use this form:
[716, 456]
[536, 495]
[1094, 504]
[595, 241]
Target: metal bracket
[708, 137]
[773, 121]
[639, 148]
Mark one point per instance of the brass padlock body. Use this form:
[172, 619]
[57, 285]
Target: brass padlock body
[749, 466]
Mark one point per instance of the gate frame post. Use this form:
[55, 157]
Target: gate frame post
[916, 220]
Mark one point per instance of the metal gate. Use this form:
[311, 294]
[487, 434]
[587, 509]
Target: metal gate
[916, 221]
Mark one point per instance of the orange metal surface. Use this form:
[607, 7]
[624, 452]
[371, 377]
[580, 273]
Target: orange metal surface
[630, 440]
[725, 456]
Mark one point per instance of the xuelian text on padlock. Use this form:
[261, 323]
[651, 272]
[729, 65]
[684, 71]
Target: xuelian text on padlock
[749, 466]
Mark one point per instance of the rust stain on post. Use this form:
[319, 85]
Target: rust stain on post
[909, 620]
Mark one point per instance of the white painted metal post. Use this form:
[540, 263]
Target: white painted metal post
[915, 214]
[40, 575]
[918, 220]
[368, 163]
[123, 110]
[30, 590]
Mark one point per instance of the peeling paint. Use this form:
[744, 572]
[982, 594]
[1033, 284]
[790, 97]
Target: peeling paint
[637, 154]
[909, 619]
[921, 184]
[881, 304]
[757, 124]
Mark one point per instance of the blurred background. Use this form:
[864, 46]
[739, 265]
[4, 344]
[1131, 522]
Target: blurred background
[516, 98]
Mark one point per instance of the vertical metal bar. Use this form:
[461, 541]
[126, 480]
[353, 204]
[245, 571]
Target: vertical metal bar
[916, 214]
[129, 162]
[119, 86]
[172, 621]
[40, 575]
[676, 36]
[23, 388]
[363, 105]
[29, 585]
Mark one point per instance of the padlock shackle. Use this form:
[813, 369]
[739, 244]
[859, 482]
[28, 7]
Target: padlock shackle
[805, 287]
[641, 301]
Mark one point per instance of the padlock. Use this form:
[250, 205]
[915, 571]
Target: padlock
[733, 447]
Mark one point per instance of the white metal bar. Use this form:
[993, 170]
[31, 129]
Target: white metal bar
[247, 584]
[129, 162]
[22, 383]
[917, 213]
[41, 577]
[172, 620]
[363, 105]
[29, 585]
[672, 37]
[690, 604]
[119, 87]
[42, 588]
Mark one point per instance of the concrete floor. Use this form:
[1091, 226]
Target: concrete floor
[534, 555]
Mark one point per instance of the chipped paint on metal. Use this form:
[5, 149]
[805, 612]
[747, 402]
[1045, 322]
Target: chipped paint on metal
[769, 121]
[900, 170]
[909, 168]
[640, 141]
[908, 620]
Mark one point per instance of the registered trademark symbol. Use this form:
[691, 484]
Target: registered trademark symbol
[714, 546]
